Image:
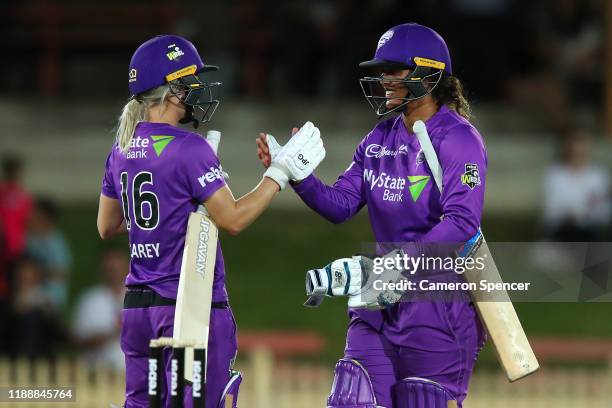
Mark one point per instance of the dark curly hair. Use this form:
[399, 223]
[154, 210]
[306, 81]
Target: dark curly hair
[450, 92]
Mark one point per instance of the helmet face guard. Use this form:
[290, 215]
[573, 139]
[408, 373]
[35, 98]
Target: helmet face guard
[200, 98]
[420, 82]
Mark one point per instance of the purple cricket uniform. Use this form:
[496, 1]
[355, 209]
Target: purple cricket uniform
[165, 174]
[435, 340]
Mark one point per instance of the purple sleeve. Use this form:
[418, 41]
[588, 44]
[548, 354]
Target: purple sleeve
[200, 168]
[341, 201]
[108, 187]
[463, 159]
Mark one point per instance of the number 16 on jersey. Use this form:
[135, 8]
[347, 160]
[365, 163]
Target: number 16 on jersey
[141, 200]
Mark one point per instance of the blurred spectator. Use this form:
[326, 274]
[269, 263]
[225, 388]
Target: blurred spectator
[97, 321]
[15, 207]
[482, 62]
[36, 327]
[561, 61]
[47, 245]
[576, 194]
[533, 52]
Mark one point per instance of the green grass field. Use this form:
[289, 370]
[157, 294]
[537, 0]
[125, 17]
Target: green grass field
[265, 267]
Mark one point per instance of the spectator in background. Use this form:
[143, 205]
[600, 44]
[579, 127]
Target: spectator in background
[97, 322]
[576, 194]
[35, 326]
[560, 60]
[15, 207]
[47, 245]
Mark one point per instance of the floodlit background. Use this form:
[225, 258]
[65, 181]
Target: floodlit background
[538, 76]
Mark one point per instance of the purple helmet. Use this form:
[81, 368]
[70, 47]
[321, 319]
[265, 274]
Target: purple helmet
[407, 46]
[174, 60]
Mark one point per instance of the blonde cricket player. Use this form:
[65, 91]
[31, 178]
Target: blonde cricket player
[156, 175]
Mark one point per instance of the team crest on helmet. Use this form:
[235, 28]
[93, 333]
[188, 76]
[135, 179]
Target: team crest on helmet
[132, 74]
[175, 54]
[384, 38]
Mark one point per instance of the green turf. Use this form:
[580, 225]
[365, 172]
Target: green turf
[265, 268]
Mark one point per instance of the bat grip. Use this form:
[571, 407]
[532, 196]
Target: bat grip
[202, 210]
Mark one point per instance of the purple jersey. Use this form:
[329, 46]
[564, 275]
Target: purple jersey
[163, 177]
[389, 174]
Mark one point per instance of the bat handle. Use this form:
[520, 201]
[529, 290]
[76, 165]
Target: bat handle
[214, 137]
[202, 210]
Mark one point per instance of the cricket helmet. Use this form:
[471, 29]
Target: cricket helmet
[171, 59]
[406, 46]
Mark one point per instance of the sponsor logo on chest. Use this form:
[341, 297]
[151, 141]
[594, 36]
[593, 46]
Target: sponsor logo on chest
[138, 148]
[392, 188]
[379, 151]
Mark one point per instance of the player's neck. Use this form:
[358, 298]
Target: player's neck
[421, 109]
[165, 115]
[164, 120]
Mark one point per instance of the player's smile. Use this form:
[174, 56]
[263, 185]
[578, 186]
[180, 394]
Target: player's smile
[395, 90]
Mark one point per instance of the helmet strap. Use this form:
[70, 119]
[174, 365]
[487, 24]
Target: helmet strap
[189, 118]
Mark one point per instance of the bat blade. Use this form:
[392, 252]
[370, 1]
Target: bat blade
[194, 297]
[500, 319]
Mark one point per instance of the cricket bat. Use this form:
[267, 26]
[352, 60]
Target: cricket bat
[498, 316]
[194, 297]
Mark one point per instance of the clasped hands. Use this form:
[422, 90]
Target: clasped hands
[294, 161]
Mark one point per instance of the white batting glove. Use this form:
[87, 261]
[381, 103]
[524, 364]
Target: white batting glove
[273, 146]
[299, 157]
[342, 277]
[213, 137]
[355, 278]
[368, 297]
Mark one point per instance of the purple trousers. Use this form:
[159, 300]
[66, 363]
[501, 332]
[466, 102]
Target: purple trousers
[140, 325]
[439, 341]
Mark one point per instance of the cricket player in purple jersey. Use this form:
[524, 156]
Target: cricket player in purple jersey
[156, 175]
[409, 354]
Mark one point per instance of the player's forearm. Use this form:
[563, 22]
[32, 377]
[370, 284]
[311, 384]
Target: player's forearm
[110, 218]
[331, 202]
[453, 228]
[250, 206]
[243, 211]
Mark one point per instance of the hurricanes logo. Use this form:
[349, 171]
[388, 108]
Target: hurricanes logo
[417, 185]
[160, 143]
[471, 177]
[384, 38]
[175, 54]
